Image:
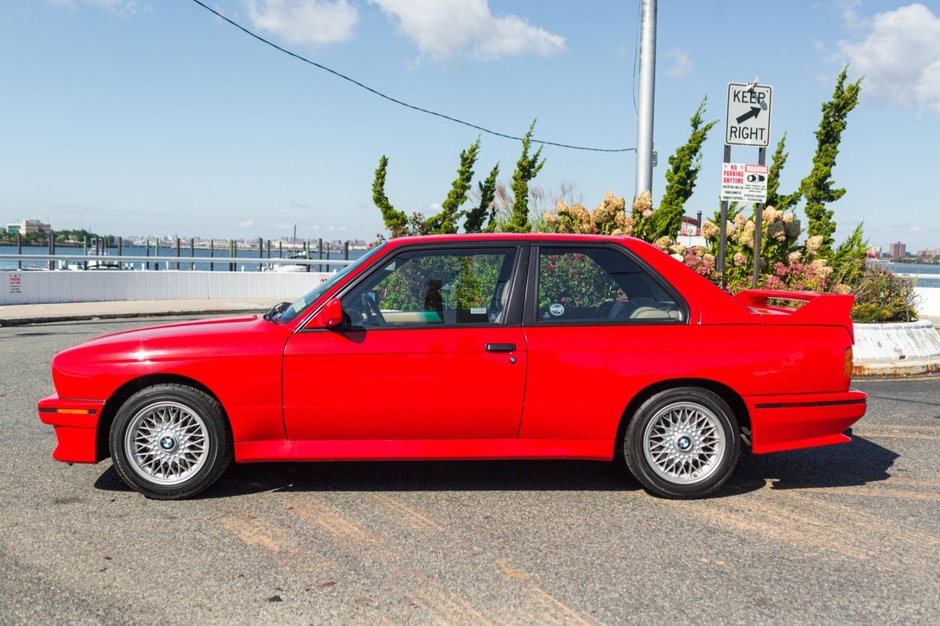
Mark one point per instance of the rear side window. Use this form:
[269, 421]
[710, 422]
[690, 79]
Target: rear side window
[602, 285]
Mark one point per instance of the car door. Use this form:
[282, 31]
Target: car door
[431, 348]
[599, 326]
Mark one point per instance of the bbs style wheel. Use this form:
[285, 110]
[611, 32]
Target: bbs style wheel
[170, 441]
[682, 443]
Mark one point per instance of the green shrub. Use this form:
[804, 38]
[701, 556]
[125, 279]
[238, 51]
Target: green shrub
[881, 296]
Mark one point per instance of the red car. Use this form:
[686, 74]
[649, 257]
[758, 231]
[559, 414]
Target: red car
[471, 347]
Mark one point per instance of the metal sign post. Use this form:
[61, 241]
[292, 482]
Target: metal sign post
[747, 123]
[758, 215]
[722, 235]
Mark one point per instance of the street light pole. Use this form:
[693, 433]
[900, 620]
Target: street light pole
[644, 132]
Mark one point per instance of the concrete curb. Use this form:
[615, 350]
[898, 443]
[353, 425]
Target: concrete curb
[896, 368]
[899, 349]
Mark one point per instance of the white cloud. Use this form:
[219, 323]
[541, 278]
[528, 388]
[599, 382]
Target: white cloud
[304, 22]
[115, 6]
[246, 223]
[854, 23]
[681, 64]
[900, 57]
[448, 29]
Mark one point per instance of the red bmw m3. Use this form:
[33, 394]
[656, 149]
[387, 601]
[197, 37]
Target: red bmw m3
[471, 347]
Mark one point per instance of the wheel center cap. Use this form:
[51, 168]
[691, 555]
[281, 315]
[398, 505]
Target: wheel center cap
[684, 443]
[167, 442]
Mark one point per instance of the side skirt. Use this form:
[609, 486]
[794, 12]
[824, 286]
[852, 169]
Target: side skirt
[423, 449]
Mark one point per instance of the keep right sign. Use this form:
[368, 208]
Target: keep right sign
[747, 122]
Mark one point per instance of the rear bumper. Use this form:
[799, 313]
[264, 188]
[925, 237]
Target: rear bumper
[76, 427]
[791, 422]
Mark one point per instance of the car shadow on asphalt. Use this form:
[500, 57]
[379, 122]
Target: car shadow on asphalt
[410, 476]
[857, 463]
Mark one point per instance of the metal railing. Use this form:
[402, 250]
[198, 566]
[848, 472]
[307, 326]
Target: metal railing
[165, 263]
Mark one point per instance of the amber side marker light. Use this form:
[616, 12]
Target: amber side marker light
[848, 362]
[70, 411]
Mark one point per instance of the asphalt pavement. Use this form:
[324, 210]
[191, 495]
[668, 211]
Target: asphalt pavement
[833, 535]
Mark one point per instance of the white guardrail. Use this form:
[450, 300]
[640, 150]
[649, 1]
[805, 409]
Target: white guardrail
[928, 301]
[49, 287]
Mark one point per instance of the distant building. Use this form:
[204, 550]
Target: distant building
[28, 226]
[690, 233]
[931, 254]
[897, 250]
[690, 226]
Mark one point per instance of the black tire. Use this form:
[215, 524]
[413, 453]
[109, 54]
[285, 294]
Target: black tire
[682, 443]
[170, 442]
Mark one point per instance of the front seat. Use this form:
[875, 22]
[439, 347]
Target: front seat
[498, 304]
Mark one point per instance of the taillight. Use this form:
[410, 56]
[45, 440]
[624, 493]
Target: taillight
[848, 362]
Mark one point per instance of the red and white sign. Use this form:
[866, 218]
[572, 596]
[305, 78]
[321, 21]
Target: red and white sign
[16, 284]
[744, 182]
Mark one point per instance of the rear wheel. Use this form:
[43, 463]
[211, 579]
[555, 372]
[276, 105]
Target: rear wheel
[682, 443]
[170, 441]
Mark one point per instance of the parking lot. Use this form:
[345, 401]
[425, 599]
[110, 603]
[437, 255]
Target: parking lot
[844, 534]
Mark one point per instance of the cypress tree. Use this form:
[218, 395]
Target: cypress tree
[818, 188]
[684, 167]
[485, 211]
[527, 168]
[395, 221]
[445, 222]
[848, 261]
[781, 202]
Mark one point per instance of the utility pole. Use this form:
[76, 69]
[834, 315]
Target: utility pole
[644, 130]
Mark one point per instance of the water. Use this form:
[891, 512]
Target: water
[170, 251]
[926, 275]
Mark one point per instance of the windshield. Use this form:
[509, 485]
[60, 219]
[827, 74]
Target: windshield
[304, 303]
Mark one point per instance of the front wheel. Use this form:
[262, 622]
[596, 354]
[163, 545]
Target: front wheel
[682, 443]
[170, 441]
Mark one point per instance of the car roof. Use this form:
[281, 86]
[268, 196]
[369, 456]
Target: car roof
[512, 237]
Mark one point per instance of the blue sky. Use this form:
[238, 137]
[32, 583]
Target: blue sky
[153, 117]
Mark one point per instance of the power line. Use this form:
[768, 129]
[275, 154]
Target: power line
[395, 100]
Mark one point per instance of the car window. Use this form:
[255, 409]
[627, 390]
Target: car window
[433, 288]
[600, 284]
[302, 305]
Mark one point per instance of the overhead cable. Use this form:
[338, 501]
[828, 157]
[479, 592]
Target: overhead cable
[395, 100]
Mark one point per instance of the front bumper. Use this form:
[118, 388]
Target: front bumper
[791, 422]
[76, 427]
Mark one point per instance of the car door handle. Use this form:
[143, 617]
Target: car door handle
[500, 347]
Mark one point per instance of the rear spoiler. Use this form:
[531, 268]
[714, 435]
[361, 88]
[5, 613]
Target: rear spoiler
[823, 309]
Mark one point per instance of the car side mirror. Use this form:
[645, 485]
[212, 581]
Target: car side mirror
[330, 315]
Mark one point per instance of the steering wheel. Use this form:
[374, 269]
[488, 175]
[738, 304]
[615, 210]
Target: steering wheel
[371, 311]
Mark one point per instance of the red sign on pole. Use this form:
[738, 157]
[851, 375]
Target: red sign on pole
[744, 182]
